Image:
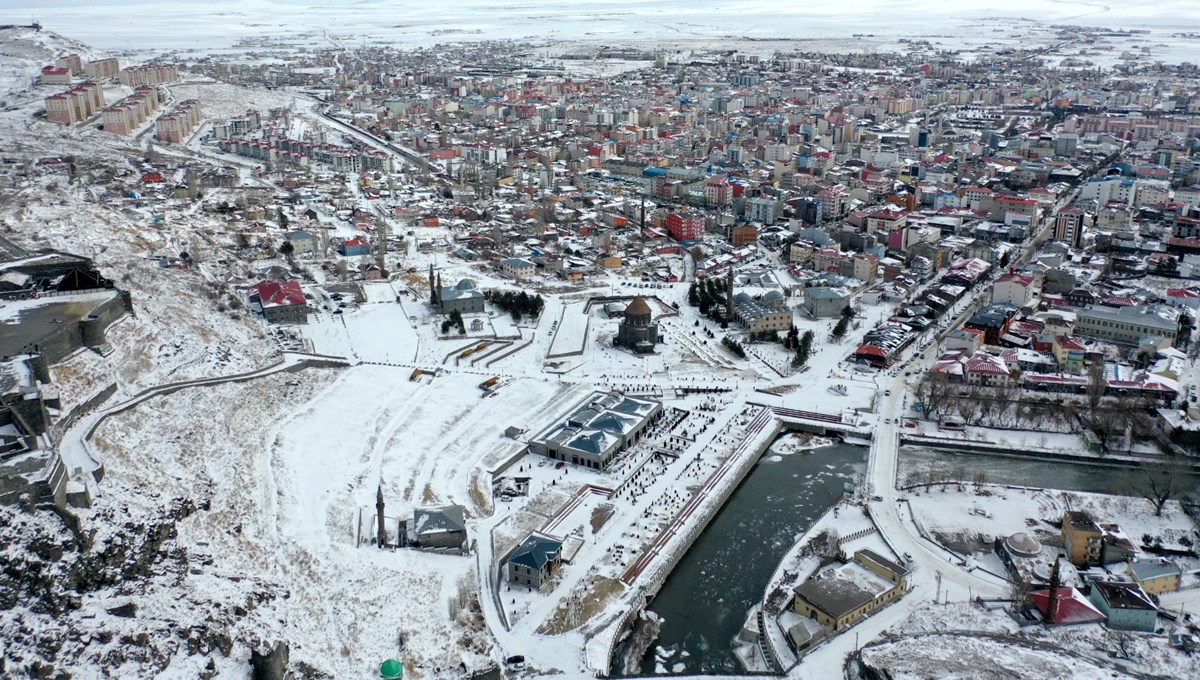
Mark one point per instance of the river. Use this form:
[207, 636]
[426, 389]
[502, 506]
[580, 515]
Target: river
[705, 599]
[1021, 471]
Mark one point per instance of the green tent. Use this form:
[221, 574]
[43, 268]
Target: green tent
[391, 669]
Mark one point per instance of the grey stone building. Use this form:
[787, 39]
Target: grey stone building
[637, 331]
[438, 528]
[825, 303]
[534, 562]
[463, 297]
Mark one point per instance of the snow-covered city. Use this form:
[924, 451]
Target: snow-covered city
[599, 340]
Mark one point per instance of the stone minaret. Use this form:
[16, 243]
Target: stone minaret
[381, 531]
[729, 294]
[1052, 601]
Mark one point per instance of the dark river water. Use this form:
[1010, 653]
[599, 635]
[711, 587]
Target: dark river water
[1022, 471]
[705, 599]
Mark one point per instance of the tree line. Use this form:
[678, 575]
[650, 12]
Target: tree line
[519, 304]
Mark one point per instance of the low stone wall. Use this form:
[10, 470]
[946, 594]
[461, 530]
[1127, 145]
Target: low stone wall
[59, 428]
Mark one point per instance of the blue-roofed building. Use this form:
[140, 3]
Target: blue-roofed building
[533, 562]
[517, 268]
[600, 427]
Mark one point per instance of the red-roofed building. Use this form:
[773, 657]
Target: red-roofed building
[1067, 607]
[1183, 297]
[281, 302]
[52, 75]
[1013, 288]
[1069, 353]
[986, 369]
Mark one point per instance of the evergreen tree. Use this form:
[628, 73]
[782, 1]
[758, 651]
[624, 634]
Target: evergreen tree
[693, 295]
[843, 323]
[803, 349]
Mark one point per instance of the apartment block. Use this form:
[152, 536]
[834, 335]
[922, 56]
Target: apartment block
[102, 68]
[174, 127]
[71, 62]
[127, 115]
[76, 104]
[139, 76]
[53, 75]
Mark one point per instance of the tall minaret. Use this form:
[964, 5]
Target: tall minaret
[729, 294]
[1052, 601]
[381, 531]
[439, 296]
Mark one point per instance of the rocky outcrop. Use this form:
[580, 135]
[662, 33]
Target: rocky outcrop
[270, 664]
[67, 596]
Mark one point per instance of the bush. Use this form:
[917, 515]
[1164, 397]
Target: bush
[733, 346]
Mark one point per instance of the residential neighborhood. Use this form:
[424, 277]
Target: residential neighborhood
[338, 350]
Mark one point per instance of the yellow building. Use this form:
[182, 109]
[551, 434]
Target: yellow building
[1156, 576]
[1082, 538]
[842, 594]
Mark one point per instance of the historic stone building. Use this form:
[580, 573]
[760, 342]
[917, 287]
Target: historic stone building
[637, 332]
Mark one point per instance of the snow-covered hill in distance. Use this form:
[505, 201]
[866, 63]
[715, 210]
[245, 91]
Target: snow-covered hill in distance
[179, 24]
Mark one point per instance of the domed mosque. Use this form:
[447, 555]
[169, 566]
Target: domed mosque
[637, 331]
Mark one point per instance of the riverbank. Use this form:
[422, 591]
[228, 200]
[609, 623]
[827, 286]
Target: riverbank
[841, 530]
[704, 599]
[1003, 443]
[966, 518]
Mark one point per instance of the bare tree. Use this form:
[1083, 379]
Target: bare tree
[933, 392]
[968, 408]
[1006, 404]
[1160, 482]
[1104, 424]
[1096, 386]
[960, 476]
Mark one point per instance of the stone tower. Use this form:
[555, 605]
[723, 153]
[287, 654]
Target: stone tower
[729, 294]
[1052, 600]
[381, 531]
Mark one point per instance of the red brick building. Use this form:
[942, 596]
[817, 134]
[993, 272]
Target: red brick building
[687, 226]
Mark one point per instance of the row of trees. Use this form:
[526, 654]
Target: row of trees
[709, 297]
[519, 304]
[802, 345]
[1009, 407]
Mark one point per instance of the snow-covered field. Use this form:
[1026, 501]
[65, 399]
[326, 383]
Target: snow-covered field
[217, 24]
[287, 474]
[998, 511]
